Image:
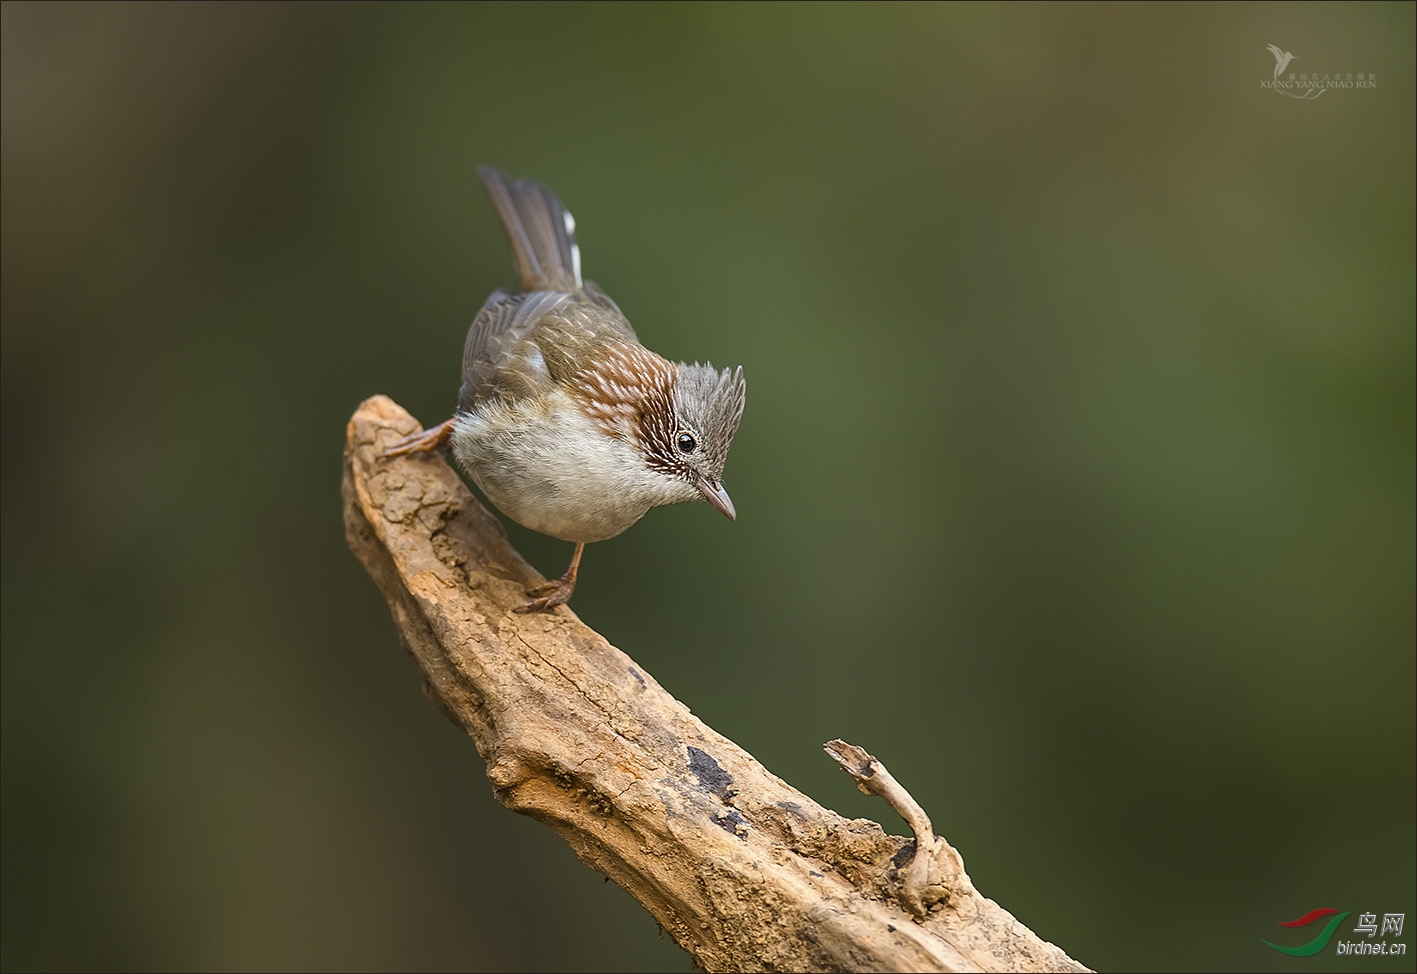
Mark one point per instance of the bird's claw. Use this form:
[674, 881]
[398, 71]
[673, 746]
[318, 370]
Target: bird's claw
[548, 595]
[420, 442]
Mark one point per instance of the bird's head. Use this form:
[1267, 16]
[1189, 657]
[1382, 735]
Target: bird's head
[680, 419]
[705, 409]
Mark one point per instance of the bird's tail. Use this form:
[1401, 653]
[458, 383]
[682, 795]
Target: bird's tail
[542, 231]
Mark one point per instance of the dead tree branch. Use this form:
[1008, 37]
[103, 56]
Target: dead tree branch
[745, 872]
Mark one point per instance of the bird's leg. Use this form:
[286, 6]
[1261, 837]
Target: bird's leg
[422, 441]
[548, 595]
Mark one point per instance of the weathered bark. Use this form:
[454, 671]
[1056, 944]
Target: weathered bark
[745, 872]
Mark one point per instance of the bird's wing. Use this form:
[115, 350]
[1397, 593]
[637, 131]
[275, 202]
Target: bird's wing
[1278, 54]
[506, 354]
[616, 319]
[498, 358]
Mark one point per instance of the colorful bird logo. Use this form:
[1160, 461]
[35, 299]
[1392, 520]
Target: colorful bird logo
[1318, 943]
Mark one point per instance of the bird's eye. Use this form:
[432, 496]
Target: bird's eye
[687, 443]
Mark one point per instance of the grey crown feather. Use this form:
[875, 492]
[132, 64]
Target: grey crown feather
[718, 398]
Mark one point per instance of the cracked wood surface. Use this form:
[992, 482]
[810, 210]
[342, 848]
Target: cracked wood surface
[744, 871]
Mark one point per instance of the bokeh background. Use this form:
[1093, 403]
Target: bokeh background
[1076, 479]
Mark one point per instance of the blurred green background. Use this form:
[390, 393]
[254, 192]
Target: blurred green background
[1076, 479]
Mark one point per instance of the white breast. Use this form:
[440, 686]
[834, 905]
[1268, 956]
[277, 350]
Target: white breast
[550, 467]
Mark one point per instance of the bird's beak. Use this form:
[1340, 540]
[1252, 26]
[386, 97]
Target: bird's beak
[718, 497]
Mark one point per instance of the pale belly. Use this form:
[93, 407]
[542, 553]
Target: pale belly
[549, 467]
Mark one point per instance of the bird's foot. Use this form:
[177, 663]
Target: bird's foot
[422, 441]
[548, 595]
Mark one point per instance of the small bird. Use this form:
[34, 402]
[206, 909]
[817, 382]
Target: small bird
[1281, 59]
[565, 421]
